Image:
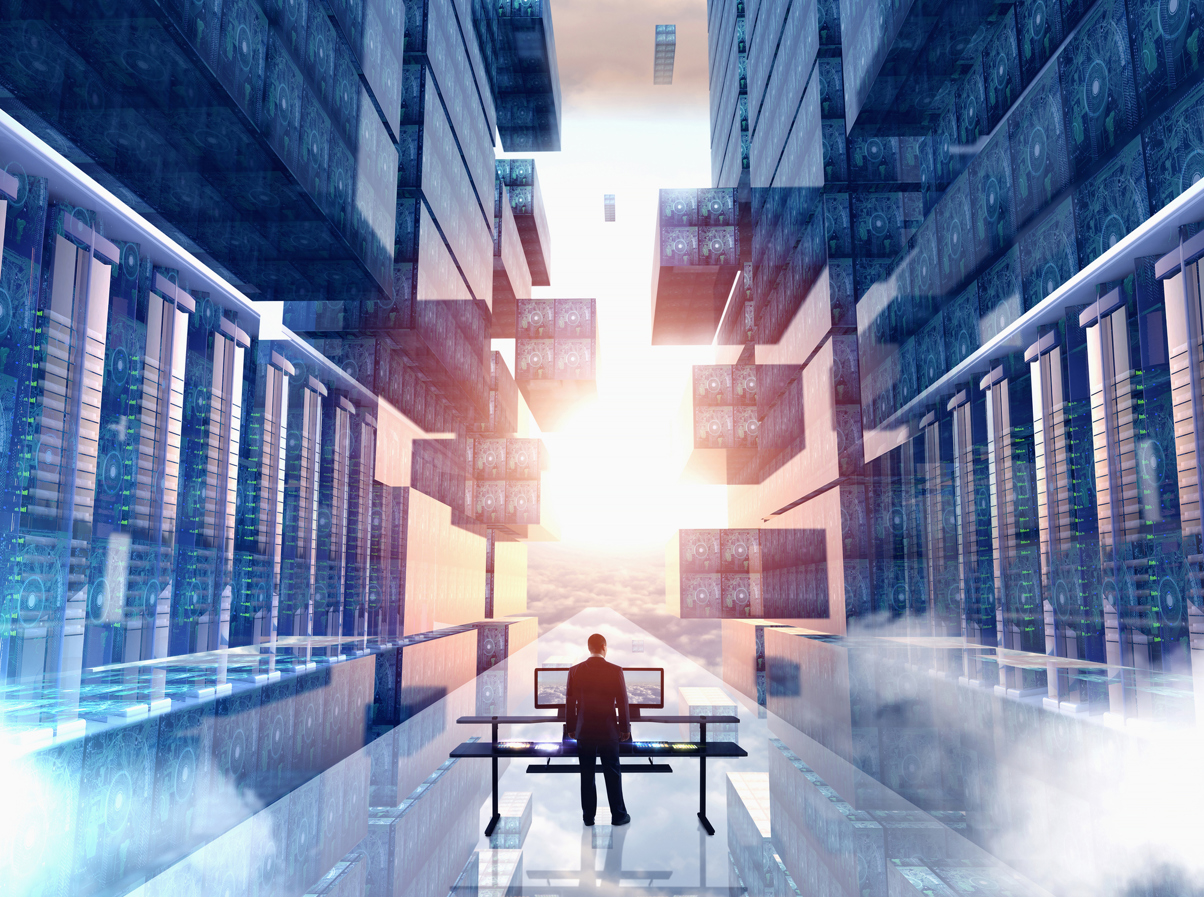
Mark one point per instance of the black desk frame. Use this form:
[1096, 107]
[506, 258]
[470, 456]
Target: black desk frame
[495, 721]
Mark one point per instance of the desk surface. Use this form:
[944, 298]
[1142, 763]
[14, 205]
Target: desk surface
[518, 720]
[665, 749]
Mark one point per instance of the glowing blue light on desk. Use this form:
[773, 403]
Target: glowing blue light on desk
[548, 746]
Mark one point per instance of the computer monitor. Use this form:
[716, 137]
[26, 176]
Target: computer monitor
[645, 687]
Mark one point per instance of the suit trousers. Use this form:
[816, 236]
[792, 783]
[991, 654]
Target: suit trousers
[607, 753]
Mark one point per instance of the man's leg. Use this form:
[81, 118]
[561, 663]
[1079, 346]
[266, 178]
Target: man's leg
[589, 789]
[608, 754]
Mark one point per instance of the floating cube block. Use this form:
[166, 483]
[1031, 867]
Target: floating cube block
[709, 701]
[744, 656]
[700, 595]
[740, 551]
[525, 459]
[744, 384]
[748, 834]
[535, 359]
[716, 207]
[489, 459]
[514, 807]
[662, 63]
[679, 208]
[526, 201]
[347, 878]
[522, 502]
[556, 375]
[499, 872]
[741, 594]
[746, 427]
[701, 550]
[713, 426]
[574, 318]
[489, 501]
[574, 359]
[697, 258]
[536, 319]
[712, 384]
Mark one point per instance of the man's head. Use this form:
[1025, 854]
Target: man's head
[597, 644]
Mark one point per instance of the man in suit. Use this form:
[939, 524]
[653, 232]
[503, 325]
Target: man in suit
[597, 715]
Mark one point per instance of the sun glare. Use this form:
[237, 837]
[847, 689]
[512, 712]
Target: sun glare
[614, 477]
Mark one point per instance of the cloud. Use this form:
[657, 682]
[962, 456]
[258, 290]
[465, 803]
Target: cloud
[605, 51]
[564, 579]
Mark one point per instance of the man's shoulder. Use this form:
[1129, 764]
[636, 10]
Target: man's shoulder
[594, 664]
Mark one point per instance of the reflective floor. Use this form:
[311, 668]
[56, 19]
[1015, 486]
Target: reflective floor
[872, 769]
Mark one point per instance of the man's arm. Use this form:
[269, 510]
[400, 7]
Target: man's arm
[624, 709]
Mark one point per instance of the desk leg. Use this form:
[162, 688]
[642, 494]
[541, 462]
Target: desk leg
[702, 796]
[496, 816]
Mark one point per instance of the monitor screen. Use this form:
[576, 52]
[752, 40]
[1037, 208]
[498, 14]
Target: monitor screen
[645, 687]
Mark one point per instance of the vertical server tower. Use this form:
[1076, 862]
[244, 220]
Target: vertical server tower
[950, 264]
[266, 487]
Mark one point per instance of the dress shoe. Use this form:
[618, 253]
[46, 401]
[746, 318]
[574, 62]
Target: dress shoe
[589, 823]
[620, 820]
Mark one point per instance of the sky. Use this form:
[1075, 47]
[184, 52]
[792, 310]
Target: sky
[616, 463]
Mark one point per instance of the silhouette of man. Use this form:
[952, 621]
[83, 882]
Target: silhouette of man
[597, 715]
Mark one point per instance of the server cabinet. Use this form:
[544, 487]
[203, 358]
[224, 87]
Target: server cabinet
[303, 449]
[1066, 503]
[260, 497]
[1019, 613]
[1144, 568]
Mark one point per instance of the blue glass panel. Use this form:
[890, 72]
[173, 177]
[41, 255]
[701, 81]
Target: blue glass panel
[1049, 255]
[319, 51]
[831, 81]
[835, 160]
[1166, 47]
[1098, 93]
[873, 158]
[1111, 204]
[877, 223]
[1174, 149]
[991, 197]
[930, 352]
[999, 296]
[1001, 70]
[924, 270]
[961, 318]
[1039, 28]
[947, 162]
[829, 23]
[241, 54]
[955, 236]
[972, 115]
[292, 19]
[907, 383]
[1040, 166]
[801, 164]
[313, 166]
[116, 787]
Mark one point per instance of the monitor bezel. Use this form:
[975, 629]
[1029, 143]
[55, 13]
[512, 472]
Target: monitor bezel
[565, 670]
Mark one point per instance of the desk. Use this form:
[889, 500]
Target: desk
[547, 750]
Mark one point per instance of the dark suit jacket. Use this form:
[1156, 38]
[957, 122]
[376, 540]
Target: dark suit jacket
[596, 707]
